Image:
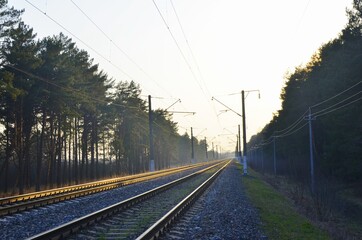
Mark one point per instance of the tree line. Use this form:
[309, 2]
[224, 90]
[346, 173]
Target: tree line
[64, 121]
[328, 91]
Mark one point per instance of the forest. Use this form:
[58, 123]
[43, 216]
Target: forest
[315, 140]
[64, 121]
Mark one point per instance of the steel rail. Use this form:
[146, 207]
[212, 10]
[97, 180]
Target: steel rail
[44, 198]
[66, 229]
[27, 196]
[163, 223]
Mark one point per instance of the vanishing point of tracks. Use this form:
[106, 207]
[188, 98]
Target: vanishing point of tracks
[14, 204]
[144, 216]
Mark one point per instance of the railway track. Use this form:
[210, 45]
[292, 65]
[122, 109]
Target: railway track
[144, 216]
[15, 204]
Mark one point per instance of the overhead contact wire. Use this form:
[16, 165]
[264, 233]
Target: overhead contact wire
[87, 45]
[119, 48]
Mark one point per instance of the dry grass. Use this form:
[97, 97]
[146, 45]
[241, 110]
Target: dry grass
[338, 212]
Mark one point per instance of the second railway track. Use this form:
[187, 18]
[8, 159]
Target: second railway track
[130, 218]
[23, 202]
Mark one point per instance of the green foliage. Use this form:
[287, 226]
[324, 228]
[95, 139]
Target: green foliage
[337, 135]
[330, 84]
[280, 219]
[63, 120]
[8, 17]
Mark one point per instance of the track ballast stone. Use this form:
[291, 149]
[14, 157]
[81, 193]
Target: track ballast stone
[34, 221]
[222, 212]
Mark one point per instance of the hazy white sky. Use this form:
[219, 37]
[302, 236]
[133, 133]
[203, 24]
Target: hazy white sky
[238, 45]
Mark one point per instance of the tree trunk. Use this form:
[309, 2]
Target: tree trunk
[19, 145]
[7, 157]
[75, 151]
[92, 143]
[27, 144]
[97, 153]
[64, 148]
[69, 153]
[85, 163]
[104, 155]
[59, 154]
[40, 152]
[51, 168]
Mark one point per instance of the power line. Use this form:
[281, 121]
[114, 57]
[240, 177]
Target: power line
[266, 142]
[271, 138]
[68, 88]
[87, 45]
[345, 105]
[317, 104]
[300, 119]
[145, 118]
[119, 48]
[320, 113]
[325, 109]
[288, 134]
[178, 46]
[112, 42]
[93, 22]
[304, 11]
[188, 45]
[183, 55]
[195, 61]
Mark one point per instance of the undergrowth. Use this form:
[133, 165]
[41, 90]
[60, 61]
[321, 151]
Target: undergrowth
[279, 217]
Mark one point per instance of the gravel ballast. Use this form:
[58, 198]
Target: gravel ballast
[222, 212]
[29, 223]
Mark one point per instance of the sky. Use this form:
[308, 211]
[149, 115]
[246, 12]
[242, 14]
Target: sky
[194, 50]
